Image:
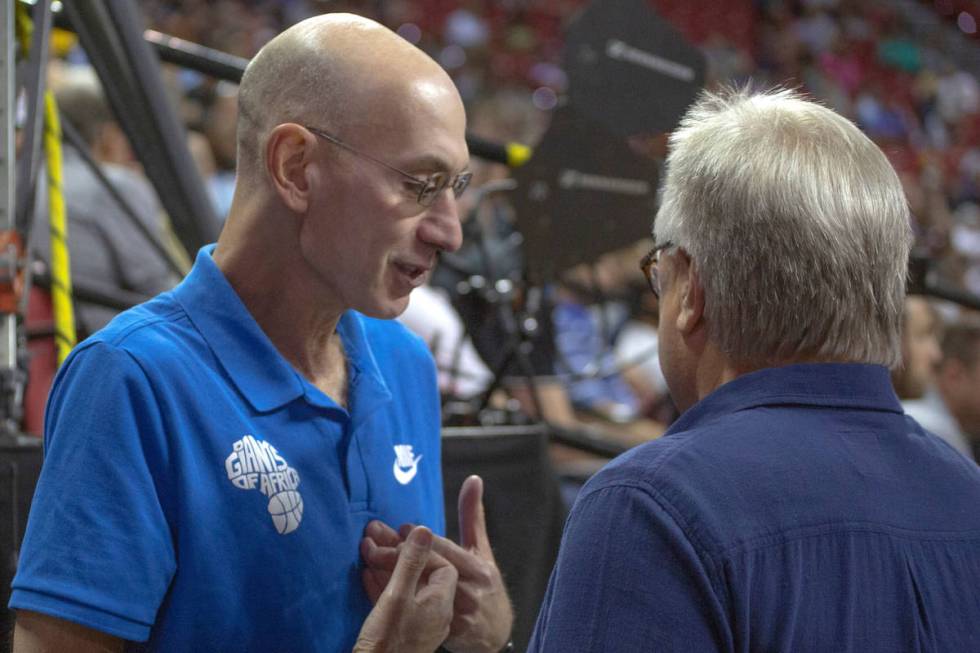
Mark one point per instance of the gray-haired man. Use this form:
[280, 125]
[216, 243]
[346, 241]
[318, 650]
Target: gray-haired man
[792, 507]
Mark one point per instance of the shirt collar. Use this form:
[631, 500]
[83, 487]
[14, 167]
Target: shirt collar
[833, 385]
[256, 368]
[367, 390]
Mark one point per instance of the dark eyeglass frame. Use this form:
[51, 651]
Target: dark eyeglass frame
[648, 264]
[429, 187]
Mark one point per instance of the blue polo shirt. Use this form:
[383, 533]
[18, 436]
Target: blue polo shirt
[793, 509]
[198, 493]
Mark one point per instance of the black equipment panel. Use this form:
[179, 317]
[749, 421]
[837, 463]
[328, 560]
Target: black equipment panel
[524, 508]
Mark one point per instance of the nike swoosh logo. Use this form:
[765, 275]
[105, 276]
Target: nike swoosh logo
[405, 476]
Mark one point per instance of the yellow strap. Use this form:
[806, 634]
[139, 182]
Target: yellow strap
[24, 27]
[61, 293]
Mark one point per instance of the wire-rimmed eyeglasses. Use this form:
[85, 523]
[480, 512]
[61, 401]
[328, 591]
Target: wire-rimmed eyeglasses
[648, 264]
[429, 187]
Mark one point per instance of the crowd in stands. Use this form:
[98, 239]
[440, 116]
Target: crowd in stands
[863, 59]
[866, 60]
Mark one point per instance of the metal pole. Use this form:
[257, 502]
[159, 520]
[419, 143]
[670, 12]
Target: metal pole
[111, 34]
[194, 56]
[11, 387]
[33, 83]
[8, 322]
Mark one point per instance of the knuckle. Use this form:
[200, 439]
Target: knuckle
[483, 574]
[414, 563]
[469, 622]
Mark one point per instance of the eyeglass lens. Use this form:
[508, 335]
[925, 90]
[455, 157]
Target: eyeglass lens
[439, 182]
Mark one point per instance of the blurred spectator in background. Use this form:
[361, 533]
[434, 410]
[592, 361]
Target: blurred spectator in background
[591, 315]
[108, 252]
[920, 349]
[430, 315]
[965, 237]
[951, 409]
[600, 347]
[636, 350]
[586, 361]
[462, 372]
[219, 128]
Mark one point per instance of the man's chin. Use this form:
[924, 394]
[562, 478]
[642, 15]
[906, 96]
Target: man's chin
[385, 310]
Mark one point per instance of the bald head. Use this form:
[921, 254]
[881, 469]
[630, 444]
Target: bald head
[335, 71]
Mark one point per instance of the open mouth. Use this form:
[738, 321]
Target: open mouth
[415, 273]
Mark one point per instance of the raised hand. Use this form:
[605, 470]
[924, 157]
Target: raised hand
[482, 614]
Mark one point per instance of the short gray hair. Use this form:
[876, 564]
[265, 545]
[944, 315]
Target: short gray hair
[797, 225]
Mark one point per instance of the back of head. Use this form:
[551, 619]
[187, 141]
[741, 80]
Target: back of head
[797, 225]
[80, 99]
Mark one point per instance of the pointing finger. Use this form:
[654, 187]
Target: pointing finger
[472, 518]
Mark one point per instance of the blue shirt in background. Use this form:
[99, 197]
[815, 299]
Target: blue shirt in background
[198, 493]
[585, 350]
[793, 509]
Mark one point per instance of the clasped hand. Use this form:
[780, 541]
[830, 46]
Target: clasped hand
[482, 616]
[412, 613]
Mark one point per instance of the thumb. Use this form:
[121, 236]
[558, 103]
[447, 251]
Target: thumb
[472, 519]
[411, 561]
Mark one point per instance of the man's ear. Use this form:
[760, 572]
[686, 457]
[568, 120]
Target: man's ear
[288, 155]
[691, 312]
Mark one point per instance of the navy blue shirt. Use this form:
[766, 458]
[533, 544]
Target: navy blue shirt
[199, 494]
[793, 509]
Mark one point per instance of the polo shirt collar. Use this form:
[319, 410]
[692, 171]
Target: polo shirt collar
[367, 390]
[831, 385]
[258, 370]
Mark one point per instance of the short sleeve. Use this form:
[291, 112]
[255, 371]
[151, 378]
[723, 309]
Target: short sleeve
[98, 549]
[627, 579]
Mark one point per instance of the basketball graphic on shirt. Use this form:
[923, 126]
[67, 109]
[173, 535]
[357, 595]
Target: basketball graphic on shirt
[254, 464]
[286, 509]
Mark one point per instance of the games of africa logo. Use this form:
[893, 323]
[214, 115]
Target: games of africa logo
[255, 464]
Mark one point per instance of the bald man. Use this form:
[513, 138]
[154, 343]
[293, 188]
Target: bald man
[214, 456]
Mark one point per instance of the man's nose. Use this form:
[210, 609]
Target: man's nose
[441, 226]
